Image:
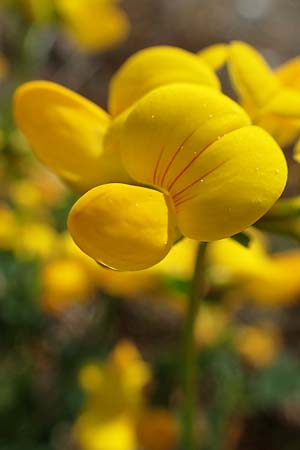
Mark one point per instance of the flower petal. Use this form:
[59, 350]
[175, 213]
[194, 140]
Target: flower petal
[66, 133]
[153, 67]
[123, 227]
[214, 55]
[166, 132]
[286, 103]
[250, 74]
[289, 73]
[238, 192]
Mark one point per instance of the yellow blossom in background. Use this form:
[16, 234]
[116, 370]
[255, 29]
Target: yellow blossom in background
[114, 400]
[269, 279]
[65, 282]
[211, 323]
[272, 98]
[36, 240]
[208, 178]
[258, 345]
[93, 25]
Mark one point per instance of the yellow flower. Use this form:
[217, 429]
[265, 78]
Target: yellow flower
[93, 25]
[64, 283]
[258, 345]
[36, 240]
[267, 279]
[201, 171]
[114, 434]
[114, 400]
[211, 323]
[271, 98]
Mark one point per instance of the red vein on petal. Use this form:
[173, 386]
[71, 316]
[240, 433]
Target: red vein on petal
[188, 166]
[179, 201]
[181, 146]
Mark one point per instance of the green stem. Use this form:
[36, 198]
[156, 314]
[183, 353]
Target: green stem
[189, 367]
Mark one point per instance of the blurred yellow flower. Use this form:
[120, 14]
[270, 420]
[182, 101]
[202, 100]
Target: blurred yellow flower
[114, 400]
[65, 282]
[258, 345]
[206, 176]
[268, 279]
[271, 98]
[211, 324]
[93, 25]
[36, 240]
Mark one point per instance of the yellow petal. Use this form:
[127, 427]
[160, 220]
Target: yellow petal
[250, 74]
[93, 24]
[214, 55]
[153, 67]
[286, 103]
[289, 73]
[170, 127]
[66, 133]
[248, 174]
[197, 145]
[123, 227]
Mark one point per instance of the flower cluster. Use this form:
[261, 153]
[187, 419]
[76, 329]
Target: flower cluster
[173, 158]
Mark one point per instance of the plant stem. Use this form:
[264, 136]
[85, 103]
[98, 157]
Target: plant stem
[189, 364]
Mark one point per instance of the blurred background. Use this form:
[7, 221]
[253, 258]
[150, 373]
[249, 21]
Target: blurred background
[89, 358]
